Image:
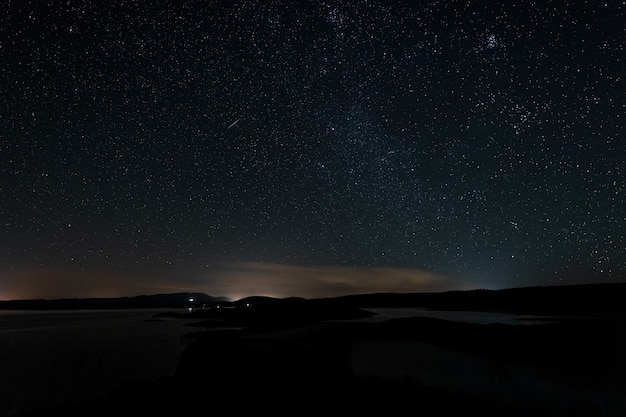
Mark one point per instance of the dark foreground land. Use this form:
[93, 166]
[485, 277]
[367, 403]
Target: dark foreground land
[307, 357]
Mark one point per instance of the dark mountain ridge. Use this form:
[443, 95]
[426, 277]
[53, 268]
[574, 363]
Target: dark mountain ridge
[174, 300]
[568, 300]
[583, 299]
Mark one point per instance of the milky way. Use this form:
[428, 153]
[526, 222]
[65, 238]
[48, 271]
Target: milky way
[477, 140]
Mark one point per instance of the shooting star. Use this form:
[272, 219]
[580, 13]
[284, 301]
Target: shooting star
[233, 124]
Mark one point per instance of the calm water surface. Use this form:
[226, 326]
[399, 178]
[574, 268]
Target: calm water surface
[479, 317]
[48, 358]
[51, 357]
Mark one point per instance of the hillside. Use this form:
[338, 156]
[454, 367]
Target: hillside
[175, 300]
[570, 300]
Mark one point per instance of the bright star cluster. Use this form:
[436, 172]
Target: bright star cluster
[478, 140]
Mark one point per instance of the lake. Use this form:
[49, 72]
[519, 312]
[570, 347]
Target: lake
[51, 357]
[479, 317]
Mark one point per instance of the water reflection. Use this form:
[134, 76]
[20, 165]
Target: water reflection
[480, 317]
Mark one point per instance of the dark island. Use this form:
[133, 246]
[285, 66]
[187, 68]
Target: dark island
[315, 356]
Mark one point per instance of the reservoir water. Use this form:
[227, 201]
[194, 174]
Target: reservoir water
[479, 317]
[49, 358]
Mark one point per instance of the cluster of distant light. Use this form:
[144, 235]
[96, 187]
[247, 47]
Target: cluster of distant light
[466, 139]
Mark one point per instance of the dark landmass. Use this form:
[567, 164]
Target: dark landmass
[574, 301]
[267, 312]
[566, 300]
[176, 300]
[309, 357]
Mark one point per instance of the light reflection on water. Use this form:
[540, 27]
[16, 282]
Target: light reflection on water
[479, 317]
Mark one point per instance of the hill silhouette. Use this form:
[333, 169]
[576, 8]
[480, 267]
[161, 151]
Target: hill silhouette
[174, 300]
[570, 300]
[590, 300]
[566, 300]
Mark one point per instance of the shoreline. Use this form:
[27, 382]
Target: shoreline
[316, 356]
[401, 364]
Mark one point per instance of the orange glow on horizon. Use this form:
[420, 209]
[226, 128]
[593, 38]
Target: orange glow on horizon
[232, 280]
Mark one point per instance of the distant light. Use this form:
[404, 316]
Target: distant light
[191, 300]
[247, 304]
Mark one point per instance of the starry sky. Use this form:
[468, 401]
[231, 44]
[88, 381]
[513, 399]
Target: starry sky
[310, 147]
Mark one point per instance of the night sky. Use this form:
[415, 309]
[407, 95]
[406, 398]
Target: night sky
[310, 148]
